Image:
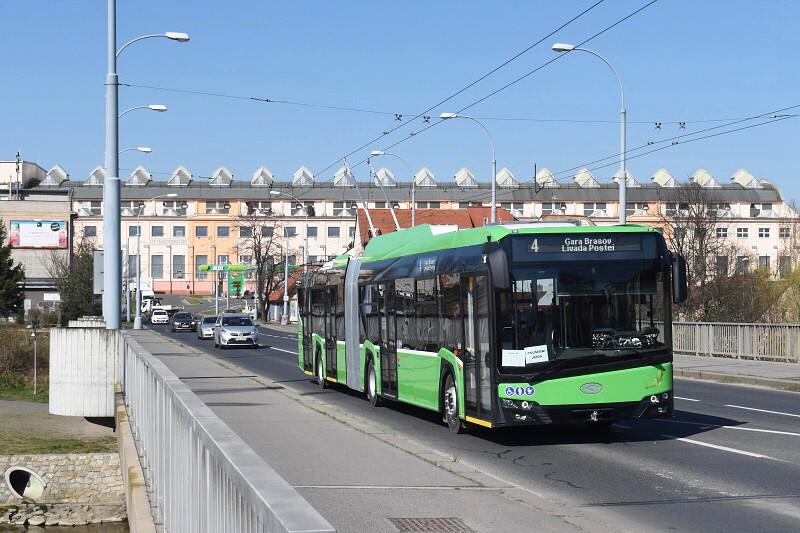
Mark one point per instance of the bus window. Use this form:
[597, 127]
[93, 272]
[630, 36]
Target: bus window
[427, 323]
[450, 317]
[404, 303]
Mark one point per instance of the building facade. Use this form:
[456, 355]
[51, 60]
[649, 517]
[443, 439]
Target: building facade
[178, 224]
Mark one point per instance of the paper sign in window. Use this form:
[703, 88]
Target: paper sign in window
[536, 354]
[513, 357]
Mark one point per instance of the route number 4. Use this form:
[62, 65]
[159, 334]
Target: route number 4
[534, 247]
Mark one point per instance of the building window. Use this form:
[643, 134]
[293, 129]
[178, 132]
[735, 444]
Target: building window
[429, 205]
[178, 266]
[245, 232]
[289, 231]
[245, 259]
[722, 265]
[223, 231]
[133, 231]
[217, 208]
[464, 205]
[91, 231]
[198, 261]
[222, 259]
[178, 207]
[636, 208]
[554, 208]
[303, 209]
[785, 233]
[179, 231]
[156, 231]
[266, 231]
[742, 264]
[594, 209]
[515, 208]
[741, 233]
[763, 262]
[93, 208]
[722, 233]
[312, 232]
[380, 205]
[131, 266]
[157, 266]
[674, 210]
[339, 209]
[263, 208]
[784, 266]
[763, 233]
[351, 231]
[201, 231]
[333, 231]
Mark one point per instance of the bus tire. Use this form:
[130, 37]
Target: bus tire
[320, 374]
[372, 385]
[450, 405]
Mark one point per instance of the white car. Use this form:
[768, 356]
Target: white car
[206, 328]
[159, 316]
[235, 329]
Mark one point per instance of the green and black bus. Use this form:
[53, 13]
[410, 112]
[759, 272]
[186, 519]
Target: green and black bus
[502, 325]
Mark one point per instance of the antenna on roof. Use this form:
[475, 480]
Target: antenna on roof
[536, 186]
[385, 197]
[360, 197]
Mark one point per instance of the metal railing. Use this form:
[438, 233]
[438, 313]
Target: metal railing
[763, 342]
[200, 475]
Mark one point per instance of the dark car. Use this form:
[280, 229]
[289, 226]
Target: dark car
[182, 321]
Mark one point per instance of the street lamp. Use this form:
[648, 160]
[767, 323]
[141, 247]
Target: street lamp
[286, 253]
[137, 322]
[32, 327]
[153, 107]
[623, 179]
[381, 153]
[142, 149]
[448, 116]
[112, 266]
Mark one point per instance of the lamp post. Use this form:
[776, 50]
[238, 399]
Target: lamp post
[142, 149]
[161, 108]
[381, 153]
[286, 254]
[623, 178]
[112, 278]
[448, 116]
[32, 327]
[137, 322]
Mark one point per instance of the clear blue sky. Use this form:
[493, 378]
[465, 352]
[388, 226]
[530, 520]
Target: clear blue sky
[681, 60]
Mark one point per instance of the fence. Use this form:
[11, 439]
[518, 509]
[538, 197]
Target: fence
[764, 342]
[201, 476]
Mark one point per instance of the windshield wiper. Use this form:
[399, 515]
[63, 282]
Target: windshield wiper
[561, 363]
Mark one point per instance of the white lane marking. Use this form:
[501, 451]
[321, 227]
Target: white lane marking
[722, 448]
[740, 428]
[686, 399]
[763, 410]
[282, 350]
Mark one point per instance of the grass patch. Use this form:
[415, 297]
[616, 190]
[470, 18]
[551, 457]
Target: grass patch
[33, 444]
[194, 300]
[23, 391]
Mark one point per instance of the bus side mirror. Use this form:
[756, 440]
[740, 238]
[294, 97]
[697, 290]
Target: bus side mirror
[679, 286]
[497, 261]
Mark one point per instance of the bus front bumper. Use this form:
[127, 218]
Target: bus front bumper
[516, 412]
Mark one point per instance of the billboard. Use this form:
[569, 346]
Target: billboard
[38, 234]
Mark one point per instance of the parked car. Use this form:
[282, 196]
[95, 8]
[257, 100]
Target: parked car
[159, 316]
[206, 328]
[183, 321]
[235, 329]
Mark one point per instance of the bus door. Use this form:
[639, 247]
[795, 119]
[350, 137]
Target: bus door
[304, 300]
[388, 342]
[330, 331]
[477, 353]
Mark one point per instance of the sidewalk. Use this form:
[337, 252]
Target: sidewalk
[360, 476]
[785, 376]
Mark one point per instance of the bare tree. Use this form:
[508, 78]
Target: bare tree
[695, 223]
[73, 276]
[261, 239]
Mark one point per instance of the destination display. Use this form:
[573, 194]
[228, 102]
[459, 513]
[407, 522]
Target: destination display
[550, 247]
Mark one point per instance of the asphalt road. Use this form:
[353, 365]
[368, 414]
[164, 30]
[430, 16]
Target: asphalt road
[729, 461]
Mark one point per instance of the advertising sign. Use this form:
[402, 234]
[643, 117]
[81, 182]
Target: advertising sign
[235, 282]
[38, 234]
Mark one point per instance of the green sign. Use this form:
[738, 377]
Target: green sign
[235, 282]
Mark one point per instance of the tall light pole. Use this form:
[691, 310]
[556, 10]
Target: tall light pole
[623, 178]
[112, 267]
[286, 253]
[381, 153]
[448, 116]
[142, 149]
[137, 322]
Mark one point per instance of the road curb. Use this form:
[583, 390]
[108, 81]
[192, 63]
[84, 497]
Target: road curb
[781, 384]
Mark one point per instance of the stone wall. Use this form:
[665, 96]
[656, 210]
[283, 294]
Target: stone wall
[91, 478]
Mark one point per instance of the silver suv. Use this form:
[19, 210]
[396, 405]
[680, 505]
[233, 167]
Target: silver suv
[233, 329]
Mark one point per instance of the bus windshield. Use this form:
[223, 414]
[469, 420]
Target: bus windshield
[588, 312]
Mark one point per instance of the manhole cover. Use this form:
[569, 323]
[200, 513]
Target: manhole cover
[431, 525]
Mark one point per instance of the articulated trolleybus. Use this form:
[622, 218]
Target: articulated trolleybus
[501, 325]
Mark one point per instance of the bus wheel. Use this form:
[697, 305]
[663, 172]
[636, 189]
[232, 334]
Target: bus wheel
[320, 374]
[450, 403]
[372, 385]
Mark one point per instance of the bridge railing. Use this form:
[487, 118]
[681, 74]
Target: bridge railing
[763, 342]
[200, 475]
